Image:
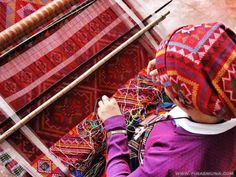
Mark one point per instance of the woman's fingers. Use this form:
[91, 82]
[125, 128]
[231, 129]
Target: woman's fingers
[105, 99]
[151, 65]
[153, 72]
[113, 100]
[100, 103]
[108, 108]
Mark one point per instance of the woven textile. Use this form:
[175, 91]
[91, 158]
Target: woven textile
[46, 167]
[197, 64]
[51, 59]
[46, 66]
[62, 116]
[83, 143]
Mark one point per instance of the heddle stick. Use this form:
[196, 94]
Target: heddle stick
[80, 78]
[34, 20]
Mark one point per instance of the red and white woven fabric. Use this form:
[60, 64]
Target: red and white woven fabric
[36, 73]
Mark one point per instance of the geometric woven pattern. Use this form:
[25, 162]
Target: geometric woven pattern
[194, 46]
[51, 124]
[12, 165]
[83, 143]
[36, 73]
[54, 58]
[199, 69]
[46, 168]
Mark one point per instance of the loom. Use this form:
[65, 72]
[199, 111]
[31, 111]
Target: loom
[53, 67]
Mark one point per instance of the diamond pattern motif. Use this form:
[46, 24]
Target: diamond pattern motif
[229, 82]
[191, 46]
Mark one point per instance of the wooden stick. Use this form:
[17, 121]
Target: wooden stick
[79, 79]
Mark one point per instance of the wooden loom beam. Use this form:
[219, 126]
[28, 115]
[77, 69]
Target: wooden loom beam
[80, 78]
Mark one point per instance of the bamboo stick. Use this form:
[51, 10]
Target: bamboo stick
[80, 78]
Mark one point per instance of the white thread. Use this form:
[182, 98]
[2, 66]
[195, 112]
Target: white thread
[138, 21]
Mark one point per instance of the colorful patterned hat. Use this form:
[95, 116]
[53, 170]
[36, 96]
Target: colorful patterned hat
[197, 65]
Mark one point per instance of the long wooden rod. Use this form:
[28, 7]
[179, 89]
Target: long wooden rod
[34, 20]
[80, 78]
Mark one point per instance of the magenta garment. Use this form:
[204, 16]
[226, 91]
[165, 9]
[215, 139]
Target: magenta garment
[171, 150]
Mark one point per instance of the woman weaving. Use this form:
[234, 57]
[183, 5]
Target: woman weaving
[197, 68]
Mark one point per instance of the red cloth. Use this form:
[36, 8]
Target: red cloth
[28, 78]
[197, 64]
[32, 72]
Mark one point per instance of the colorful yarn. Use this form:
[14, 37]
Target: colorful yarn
[137, 99]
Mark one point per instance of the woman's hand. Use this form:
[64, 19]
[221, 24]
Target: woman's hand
[151, 69]
[108, 108]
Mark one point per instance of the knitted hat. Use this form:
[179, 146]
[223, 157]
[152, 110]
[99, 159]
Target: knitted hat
[197, 65]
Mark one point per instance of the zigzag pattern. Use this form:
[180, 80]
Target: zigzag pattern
[231, 78]
[200, 47]
[187, 93]
[183, 53]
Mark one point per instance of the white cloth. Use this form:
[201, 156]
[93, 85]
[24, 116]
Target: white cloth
[200, 128]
